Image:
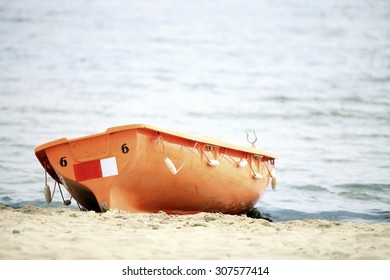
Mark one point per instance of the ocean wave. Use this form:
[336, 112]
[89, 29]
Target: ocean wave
[311, 188]
[5, 199]
[364, 192]
[362, 187]
[361, 196]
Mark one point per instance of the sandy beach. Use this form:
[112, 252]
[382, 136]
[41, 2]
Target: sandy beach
[69, 234]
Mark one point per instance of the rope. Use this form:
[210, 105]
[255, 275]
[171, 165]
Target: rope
[250, 165]
[205, 155]
[55, 186]
[165, 153]
[59, 187]
[55, 182]
[192, 151]
[45, 174]
[54, 190]
[235, 163]
[269, 172]
[162, 142]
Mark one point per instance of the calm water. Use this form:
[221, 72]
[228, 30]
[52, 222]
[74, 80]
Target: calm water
[311, 77]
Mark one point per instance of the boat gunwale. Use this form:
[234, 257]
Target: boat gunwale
[204, 140]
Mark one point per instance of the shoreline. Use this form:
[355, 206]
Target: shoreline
[33, 233]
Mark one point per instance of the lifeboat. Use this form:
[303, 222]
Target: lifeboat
[142, 168]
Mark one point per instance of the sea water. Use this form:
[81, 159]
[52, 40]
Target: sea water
[311, 77]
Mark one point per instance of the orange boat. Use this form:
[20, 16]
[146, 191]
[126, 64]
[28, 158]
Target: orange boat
[141, 168]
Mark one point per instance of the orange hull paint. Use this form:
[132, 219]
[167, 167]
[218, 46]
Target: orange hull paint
[140, 168]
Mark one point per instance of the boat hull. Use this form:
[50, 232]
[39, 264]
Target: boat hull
[140, 168]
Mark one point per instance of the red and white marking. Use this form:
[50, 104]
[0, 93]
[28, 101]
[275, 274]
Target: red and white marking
[95, 169]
